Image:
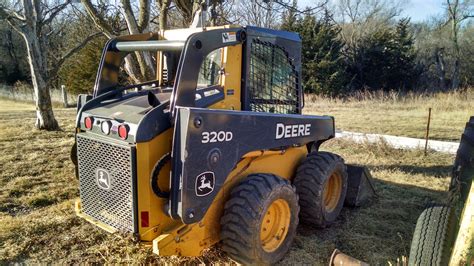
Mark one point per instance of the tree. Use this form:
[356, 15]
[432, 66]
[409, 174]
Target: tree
[322, 64]
[407, 71]
[188, 9]
[457, 11]
[385, 60]
[260, 13]
[34, 22]
[290, 17]
[13, 63]
[164, 6]
[361, 18]
[80, 76]
[146, 70]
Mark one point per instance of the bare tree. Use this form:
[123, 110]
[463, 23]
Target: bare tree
[260, 13]
[188, 9]
[146, 69]
[164, 6]
[33, 21]
[458, 11]
[359, 18]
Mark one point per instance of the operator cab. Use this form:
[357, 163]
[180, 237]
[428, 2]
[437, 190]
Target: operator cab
[202, 68]
[117, 104]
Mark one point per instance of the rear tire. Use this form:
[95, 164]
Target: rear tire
[260, 220]
[433, 238]
[321, 183]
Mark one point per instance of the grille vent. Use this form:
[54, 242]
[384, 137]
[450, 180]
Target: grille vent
[113, 206]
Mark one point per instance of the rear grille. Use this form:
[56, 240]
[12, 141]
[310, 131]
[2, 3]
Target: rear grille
[102, 163]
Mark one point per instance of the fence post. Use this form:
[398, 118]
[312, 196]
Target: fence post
[64, 94]
[427, 131]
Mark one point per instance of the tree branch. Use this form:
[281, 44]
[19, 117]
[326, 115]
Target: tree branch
[53, 72]
[308, 10]
[100, 23]
[467, 16]
[7, 14]
[129, 17]
[144, 15]
[53, 12]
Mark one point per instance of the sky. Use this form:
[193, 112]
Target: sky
[418, 10]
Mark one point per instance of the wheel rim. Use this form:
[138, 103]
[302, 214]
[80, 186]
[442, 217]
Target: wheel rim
[274, 226]
[332, 192]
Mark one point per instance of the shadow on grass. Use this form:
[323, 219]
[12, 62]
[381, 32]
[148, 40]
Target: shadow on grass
[438, 171]
[376, 233]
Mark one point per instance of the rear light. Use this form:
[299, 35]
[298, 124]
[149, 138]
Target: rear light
[88, 122]
[105, 127]
[123, 131]
[145, 219]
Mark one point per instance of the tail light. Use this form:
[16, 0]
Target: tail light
[88, 122]
[145, 219]
[123, 131]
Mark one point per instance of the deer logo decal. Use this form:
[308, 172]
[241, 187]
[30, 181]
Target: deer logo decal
[103, 179]
[204, 184]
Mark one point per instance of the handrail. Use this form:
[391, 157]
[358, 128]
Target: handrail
[132, 46]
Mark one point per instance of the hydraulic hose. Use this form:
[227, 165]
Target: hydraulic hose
[155, 175]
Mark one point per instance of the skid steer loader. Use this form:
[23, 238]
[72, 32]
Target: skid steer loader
[214, 150]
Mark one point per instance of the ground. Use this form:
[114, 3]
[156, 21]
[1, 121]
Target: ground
[38, 189]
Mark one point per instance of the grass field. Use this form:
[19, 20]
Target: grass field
[399, 114]
[38, 189]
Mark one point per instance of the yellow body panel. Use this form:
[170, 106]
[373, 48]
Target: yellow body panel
[191, 240]
[148, 153]
[231, 80]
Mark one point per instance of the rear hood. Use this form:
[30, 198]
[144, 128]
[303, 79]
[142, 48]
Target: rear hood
[134, 110]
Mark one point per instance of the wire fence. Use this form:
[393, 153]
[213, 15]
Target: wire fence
[25, 93]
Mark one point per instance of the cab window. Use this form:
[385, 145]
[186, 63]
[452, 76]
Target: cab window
[273, 80]
[209, 73]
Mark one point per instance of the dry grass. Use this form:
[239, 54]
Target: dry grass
[23, 92]
[38, 188]
[398, 114]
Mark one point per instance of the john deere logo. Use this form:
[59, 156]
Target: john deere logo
[103, 179]
[204, 184]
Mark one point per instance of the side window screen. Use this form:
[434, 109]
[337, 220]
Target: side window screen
[273, 80]
[209, 72]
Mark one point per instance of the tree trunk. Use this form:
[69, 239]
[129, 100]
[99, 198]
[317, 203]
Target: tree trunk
[44, 109]
[130, 61]
[457, 54]
[440, 67]
[164, 5]
[455, 80]
[143, 58]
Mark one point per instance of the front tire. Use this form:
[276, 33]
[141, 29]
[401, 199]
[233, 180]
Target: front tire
[260, 220]
[321, 183]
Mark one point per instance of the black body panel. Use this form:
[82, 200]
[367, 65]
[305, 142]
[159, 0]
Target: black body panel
[249, 131]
